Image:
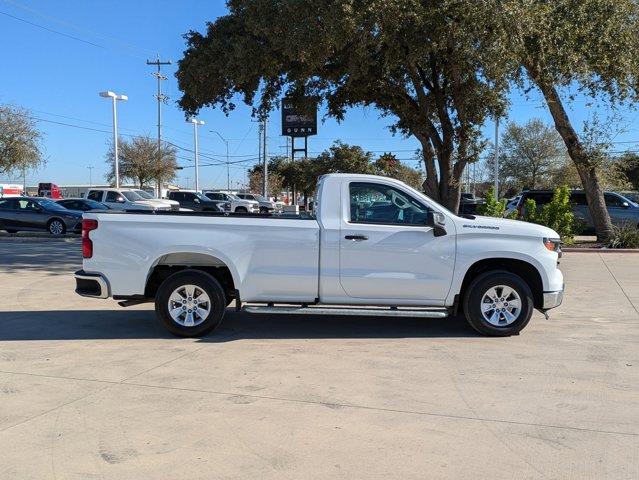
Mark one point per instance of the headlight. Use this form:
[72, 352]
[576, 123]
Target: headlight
[553, 244]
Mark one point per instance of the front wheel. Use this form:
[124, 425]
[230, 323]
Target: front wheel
[241, 210]
[190, 303]
[498, 303]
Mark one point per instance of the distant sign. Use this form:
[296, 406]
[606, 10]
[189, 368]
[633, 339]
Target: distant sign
[298, 124]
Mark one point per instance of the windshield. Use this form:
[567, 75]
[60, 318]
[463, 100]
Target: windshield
[131, 196]
[233, 196]
[95, 205]
[260, 198]
[202, 197]
[48, 204]
[144, 194]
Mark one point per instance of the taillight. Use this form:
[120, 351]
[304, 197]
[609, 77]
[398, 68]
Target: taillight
[88, 224]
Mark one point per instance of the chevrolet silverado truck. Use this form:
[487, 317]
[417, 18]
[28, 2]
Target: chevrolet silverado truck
[374, 246]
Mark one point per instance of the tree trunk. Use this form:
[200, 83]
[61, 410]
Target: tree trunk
[588, 172]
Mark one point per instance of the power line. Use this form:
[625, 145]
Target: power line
[51, 30]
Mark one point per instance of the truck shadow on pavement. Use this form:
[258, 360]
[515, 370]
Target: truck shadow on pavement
[132, 324]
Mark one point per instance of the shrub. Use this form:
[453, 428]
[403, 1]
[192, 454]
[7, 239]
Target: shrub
[492, 207]
[558, 214]
[625, 235]
[530, 211]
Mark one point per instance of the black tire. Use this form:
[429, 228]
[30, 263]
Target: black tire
[53, 224]
[264, 210]
[241, 210]
[204, 282]
[474, 296]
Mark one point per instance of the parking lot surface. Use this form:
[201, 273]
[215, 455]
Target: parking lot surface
[91, 390]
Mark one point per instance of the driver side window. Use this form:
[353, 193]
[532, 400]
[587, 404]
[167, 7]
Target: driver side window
[383, 204]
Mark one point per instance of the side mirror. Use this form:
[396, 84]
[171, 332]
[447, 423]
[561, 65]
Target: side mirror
[625, 205]
[438, 222]
[196, 200]
[120, 199]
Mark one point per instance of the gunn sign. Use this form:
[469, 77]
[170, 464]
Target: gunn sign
[297, 124]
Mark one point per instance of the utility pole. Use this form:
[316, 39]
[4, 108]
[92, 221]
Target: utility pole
[496, 158]
[90, 175]
[265, 160]
[161, 98]
[228, 167]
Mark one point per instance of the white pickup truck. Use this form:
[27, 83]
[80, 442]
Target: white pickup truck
[375, 247]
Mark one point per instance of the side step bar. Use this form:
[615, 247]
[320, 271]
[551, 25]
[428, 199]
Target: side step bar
[336, 310]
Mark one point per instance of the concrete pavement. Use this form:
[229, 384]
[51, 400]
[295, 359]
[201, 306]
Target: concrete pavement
[90, 390]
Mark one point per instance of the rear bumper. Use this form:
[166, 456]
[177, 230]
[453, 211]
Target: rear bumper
[553, 299]
[92, 285]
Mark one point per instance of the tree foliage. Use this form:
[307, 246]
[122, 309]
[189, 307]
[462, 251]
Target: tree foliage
[491, 206]
[20, 140]
[532, 154]
[302, 175]
[140, 163]
[430, 66]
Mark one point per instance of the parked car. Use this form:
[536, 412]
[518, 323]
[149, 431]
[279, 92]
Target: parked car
[49, 190]
[198, 202]
[620, 209]
[237, 204]
[37, 213]
[82, 204]
[123, 199]
[468, 204]
[375, 242]
[158, 201]
[266, 206]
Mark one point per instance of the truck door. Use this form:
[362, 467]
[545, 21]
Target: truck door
[386, 249]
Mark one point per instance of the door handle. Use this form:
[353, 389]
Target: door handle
[357, 238]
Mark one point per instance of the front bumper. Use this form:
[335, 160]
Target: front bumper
[553, 299]
[93, 285]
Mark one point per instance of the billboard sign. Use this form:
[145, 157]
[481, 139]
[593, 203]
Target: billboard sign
[297, 123]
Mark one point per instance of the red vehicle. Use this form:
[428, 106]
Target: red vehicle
[49, 190]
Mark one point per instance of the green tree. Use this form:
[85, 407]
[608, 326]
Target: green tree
[628, 165]
[275, 179]
[568, 46]
[432, 66]
[532, 154]
[388, 165]
[138, 158]
[20, 141]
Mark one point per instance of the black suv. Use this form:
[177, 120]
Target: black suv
[197, 202]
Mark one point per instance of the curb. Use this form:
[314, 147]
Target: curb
[600, 250]
[35, 237]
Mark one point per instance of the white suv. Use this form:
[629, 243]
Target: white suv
[124, 199]
[237, 204]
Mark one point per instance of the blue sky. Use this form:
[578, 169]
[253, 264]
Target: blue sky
[103, 45]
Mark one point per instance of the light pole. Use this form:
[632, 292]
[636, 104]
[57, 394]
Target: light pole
[195, 123]
[90, 175]
[228, 168]
[114, 97]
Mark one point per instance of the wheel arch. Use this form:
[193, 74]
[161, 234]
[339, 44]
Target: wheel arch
[215, 265]
[526, 270]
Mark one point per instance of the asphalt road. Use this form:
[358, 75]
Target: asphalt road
[91, 390]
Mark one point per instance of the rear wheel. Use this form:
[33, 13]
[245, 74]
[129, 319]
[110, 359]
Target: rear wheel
[56, 227]
[498, 303]
[10, 230]
[190, 303]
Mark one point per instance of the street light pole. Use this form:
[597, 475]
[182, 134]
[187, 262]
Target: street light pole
[90, 175]
[228, 168]
[115, 97]
[195, 123]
